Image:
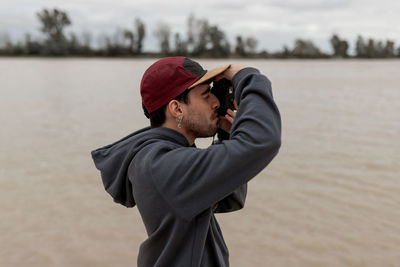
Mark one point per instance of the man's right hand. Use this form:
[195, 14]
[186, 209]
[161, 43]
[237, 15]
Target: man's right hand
[229, 72]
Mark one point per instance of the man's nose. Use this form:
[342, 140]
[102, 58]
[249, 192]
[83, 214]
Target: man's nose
[215, 101]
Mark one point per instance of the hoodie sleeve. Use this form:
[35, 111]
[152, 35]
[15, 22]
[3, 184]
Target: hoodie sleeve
[192, 180]
[234, 201]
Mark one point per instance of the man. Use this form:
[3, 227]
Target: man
[177, 187]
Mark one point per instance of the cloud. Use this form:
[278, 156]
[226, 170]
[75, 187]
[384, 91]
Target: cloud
[311, 5]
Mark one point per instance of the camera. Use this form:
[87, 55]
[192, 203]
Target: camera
[224, 91]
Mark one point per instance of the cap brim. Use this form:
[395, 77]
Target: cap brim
[210, 74]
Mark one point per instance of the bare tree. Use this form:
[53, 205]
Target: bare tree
[361, 47]
[131, 39]
[240, 49]
[205, 39]
[191, 22]
[87, 39]
[197, 35]
[140, 33]
[201, 37]
[180, 45]
[251, 44]
[163, 33]
[5, 39]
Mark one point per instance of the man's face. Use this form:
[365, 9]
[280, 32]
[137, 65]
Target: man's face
[200, 117]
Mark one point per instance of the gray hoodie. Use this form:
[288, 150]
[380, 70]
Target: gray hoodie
[177, 188]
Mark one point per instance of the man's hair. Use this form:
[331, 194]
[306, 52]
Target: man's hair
[157, 117]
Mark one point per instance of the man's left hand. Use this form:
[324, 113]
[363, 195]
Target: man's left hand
[225, 122]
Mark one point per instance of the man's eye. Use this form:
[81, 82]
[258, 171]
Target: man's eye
[206, 93]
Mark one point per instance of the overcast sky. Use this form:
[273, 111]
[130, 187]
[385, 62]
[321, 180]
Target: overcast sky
[273, 23]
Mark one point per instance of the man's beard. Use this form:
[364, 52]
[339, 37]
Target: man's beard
[200, 128]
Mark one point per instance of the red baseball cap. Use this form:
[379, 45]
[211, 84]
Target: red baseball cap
[169, 77]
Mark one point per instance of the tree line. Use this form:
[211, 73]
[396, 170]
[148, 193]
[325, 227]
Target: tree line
[202, 40]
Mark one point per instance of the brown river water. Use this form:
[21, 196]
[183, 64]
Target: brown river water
[330, 198]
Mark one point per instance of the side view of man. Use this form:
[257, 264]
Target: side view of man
[177, 187]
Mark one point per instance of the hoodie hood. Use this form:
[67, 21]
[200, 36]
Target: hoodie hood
[113, 160]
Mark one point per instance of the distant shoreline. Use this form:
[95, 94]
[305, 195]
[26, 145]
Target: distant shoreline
[155, 56]
[202, 40]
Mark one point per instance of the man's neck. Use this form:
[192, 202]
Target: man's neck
[190, 138]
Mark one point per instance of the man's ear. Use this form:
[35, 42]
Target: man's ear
[175, 109]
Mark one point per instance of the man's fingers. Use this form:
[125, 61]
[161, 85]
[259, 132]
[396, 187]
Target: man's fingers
[229, 118]
[218, 77]
[231, 113]
[229, 72]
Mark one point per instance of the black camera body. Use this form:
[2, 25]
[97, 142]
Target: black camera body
[224, 91]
